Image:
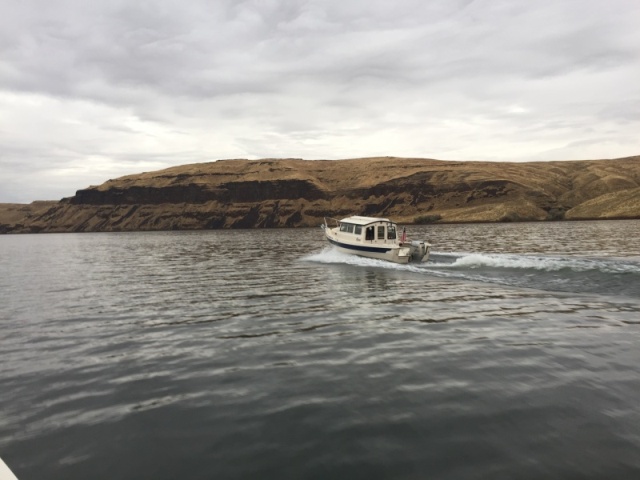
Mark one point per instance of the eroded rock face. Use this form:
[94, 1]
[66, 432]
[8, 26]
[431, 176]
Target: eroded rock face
[293, 193]
[236, 192]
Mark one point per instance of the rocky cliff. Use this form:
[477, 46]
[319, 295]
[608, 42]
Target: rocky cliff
[294, 192]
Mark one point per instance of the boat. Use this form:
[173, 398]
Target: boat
[373, 237]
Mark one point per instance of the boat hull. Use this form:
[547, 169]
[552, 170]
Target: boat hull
[394, 254]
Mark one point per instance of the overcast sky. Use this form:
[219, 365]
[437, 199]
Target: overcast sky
[93, 90]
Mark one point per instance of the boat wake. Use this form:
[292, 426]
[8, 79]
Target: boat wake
[535, 263]
[609, 276]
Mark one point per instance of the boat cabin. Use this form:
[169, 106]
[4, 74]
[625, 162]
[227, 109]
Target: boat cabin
[369, 229]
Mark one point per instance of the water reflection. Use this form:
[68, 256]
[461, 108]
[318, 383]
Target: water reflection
[255, 353]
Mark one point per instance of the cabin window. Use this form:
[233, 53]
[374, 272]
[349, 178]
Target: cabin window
[358, 230]
[381, 232]
[369, 234]
[347, 227]
[391, 232]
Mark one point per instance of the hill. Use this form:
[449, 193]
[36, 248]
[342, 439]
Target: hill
[293, 192]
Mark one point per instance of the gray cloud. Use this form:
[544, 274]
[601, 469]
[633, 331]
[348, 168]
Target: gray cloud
[94, 90]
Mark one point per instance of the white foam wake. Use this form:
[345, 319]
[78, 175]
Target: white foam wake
[476, 261]
[540, 263]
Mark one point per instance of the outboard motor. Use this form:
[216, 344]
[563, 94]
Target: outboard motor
[419, 250]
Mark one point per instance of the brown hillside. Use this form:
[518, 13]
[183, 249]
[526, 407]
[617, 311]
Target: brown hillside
[295, 192]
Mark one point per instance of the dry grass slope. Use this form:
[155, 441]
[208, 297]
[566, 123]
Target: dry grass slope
[293, 192]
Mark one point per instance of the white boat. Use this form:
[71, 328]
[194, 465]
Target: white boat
[375, 238]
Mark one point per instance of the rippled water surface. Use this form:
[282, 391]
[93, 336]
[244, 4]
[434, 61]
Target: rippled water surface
[513, 353]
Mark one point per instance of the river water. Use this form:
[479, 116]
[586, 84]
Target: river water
[513, 353]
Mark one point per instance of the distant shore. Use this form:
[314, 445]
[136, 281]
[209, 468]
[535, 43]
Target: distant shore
[288, 193]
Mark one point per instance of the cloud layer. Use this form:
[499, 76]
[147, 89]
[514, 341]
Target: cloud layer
[94, 90]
